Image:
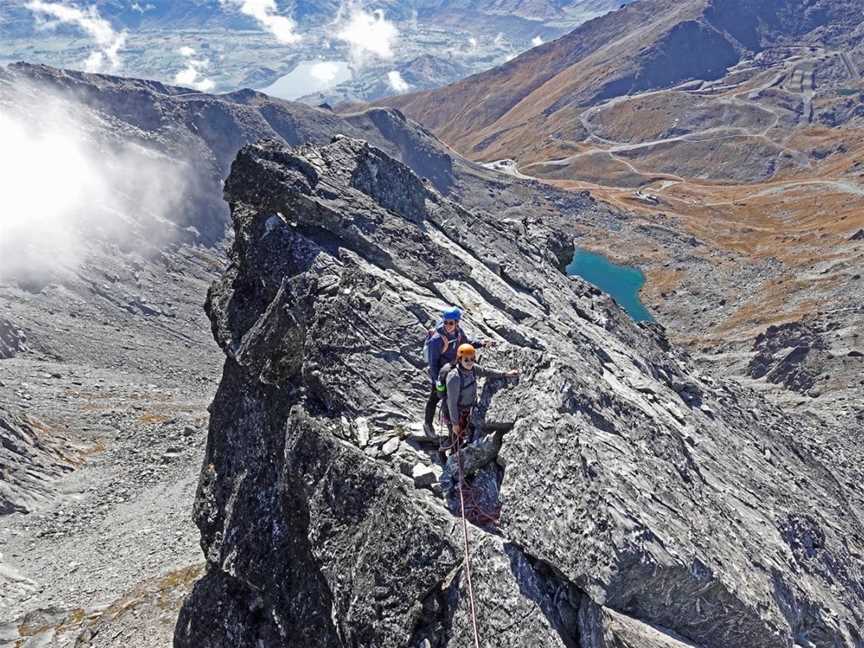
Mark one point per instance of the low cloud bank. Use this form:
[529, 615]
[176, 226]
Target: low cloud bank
[66, 192]
[192, 76]
[265, 12]
[108, 41]
[367, 34]
[397, 83]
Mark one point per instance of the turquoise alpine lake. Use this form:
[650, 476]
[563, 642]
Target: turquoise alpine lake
[622, 282]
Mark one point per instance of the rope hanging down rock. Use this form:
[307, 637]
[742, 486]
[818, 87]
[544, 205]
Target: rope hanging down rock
[472, 608]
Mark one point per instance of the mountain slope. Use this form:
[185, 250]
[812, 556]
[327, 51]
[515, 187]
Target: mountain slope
[733, 131]
[647, 45]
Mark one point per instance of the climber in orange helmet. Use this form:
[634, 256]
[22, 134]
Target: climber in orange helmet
[457, 388]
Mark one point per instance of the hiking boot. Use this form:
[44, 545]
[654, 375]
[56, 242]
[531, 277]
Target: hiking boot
[428, 431]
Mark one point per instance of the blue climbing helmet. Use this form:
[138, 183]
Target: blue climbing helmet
[451, 313]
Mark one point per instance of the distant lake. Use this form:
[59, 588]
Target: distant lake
[622, 282]
[309, 77]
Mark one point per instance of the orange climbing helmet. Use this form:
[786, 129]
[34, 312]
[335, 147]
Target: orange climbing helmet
[465, 351]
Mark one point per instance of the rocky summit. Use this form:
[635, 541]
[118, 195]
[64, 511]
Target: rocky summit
[642, 503]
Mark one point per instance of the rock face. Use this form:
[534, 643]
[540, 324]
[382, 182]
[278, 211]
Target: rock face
[792, 355]
[12, 340]
[642, 503]
[31, 457]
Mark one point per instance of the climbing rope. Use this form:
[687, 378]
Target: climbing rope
[471, 510]
[476, 511]
[465, 532]
[471, 502]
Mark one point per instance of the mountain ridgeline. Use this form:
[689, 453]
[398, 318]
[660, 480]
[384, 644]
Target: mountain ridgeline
[511, 110]
[644, 503]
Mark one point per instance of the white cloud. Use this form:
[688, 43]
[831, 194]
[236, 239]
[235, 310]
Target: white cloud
[109, 42]
[396, 81]
[192, 76]
[326, 71]
[265, 12]
[368, 34]
[472, 42]
[63, 193]
[499, 40]
[537, 41]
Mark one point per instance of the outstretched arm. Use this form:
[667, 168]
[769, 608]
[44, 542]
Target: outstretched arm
[483, 372]
[478, 343]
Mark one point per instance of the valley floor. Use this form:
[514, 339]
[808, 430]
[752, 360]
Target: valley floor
[747, 213]
[111, 547]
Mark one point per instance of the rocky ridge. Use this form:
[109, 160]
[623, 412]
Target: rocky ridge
[644, 503]
[731, 132]
[115, 358]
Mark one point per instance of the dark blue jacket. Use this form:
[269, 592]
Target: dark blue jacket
[438, 357]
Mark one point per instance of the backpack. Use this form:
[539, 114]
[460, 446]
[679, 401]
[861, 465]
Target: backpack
[430, 333]
[441, 385]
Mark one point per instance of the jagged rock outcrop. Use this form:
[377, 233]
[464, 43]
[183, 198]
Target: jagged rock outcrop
[31, 457]
[643, 503]
[12, 340]
[792, 355]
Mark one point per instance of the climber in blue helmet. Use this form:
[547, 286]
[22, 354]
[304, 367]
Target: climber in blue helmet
[440, 349]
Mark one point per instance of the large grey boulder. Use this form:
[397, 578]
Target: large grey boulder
[642, 502]
[792, 354]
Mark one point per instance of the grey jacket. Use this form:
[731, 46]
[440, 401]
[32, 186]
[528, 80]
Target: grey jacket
[462, 388]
